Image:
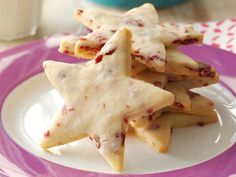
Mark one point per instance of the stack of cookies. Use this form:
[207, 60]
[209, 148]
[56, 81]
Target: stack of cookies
[136, 81]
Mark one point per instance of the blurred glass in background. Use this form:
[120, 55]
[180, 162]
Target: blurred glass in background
[19, 18]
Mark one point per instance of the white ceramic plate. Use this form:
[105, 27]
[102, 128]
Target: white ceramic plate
[31, 105]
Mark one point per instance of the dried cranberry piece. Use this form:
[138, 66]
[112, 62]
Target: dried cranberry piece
[92, 50]
[110, 52]
[178, 105]
[205, 70]
[47, 134]
[186, 41]
[134, 22]
[79, 11]
[126, 119]
[98, 59]
[150, 117]
[200, 124]
[121, 136]
[150, 111]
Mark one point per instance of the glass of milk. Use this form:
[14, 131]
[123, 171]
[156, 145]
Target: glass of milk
[19, 18]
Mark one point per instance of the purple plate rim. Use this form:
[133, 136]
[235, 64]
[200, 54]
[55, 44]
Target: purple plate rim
[42, 167]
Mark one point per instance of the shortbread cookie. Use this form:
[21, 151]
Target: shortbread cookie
[182, 99]
[149, 36]
[200, 105]
[176, 61]
[180, 64]
[142, 121]
[156, 133]
[137, 67]
[174, 35]
[67, 44]
[141, 21]
[207, 75]
[100, 99]
[157, 79]
[189, 82]
[181, 120]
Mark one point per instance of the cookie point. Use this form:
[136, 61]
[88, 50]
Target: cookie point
[45, 63]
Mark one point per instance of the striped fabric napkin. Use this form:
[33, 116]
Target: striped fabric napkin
[221, 34]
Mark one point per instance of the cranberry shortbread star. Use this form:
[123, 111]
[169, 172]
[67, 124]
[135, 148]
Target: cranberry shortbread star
[149, 36]
[100, 98]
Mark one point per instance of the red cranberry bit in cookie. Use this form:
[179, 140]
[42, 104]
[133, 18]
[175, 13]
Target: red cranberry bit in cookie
[185, 41]
[136, 53]
[121, 136]
[126, 119]
[178, 105]
[155, 57]
[110, 52]
[97, 142]
[91, 50]
[79, 11]
[134, 22]
[150, 111]
[200, 124]
[47, 134]
[153, 126]
[98, 59]
[150, 117]
[205, 70]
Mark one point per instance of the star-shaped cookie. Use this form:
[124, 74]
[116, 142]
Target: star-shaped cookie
[100, 98]
[149, 36]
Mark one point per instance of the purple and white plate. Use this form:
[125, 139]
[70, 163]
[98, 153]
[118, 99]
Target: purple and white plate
[28, 102]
